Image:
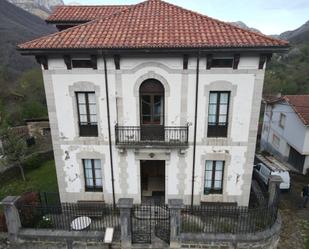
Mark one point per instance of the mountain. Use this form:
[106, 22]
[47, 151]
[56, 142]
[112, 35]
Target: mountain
[297, 36]
[41, 8]
[18, 26]
[241, 24]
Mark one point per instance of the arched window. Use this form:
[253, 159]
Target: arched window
[152, 102]
[152, 110]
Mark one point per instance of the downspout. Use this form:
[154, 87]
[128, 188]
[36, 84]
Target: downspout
[195, 124]
[109, 132]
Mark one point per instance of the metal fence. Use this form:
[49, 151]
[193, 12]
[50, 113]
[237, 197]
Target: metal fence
[62, 216]
[227, 219]
[155, 135]
[3, 227]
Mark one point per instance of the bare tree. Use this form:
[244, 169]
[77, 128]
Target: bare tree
[14, 148]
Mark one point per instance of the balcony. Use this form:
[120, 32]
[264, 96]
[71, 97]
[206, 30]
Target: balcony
[152, 135]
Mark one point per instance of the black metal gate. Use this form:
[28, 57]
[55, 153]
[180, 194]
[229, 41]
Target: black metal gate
[141, 224]
[162, 223]
[148, 219]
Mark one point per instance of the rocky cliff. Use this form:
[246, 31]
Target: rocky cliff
[41, 8]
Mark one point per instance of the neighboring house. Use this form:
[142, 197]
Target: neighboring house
[152, 100]
[286, 130]
[38, 127]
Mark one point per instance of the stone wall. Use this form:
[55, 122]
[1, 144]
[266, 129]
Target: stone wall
[267, 239]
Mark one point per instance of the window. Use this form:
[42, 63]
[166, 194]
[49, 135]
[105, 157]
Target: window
[82, 63]
[282, 120]
[218, 114]
[222, 62]
[268, 111]
[276, 141]
[93, 175]
[152, 102]
[87, 113]
[213, 177]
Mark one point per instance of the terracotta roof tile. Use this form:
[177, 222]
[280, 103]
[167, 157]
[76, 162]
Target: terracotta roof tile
[82, 13]
[153, 24]
[300, 104]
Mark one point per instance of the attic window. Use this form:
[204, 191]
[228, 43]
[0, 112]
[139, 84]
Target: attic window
[222, 62]
[81, 63]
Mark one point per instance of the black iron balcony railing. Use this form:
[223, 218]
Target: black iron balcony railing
[152, 135]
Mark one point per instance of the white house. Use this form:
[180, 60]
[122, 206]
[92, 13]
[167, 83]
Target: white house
[152, 100]
[286, 130]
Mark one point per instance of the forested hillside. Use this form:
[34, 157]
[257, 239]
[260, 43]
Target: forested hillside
[289, 73]
[21, 92]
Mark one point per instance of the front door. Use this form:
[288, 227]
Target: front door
[153, 181]
[152, 110]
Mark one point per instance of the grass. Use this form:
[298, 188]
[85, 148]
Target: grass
[42, 178]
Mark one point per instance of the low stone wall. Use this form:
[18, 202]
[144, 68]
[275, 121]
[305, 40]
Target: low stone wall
[45, 238]
[267, 239]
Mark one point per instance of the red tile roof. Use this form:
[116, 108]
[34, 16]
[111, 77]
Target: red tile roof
[153, 24]
[68, 13]
[300, 104]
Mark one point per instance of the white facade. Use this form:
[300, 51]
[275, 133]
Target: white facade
[279, 140]
[237, 149]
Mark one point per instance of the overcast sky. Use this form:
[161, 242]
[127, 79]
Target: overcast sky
[269, 16]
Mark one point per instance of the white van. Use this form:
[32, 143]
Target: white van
[263, 172]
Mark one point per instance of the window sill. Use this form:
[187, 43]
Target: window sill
[93, 190]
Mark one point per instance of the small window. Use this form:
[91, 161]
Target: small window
[218, 114]
[282, 120]
[276, 141]
[93, 175]
[213, 182]
[87, 112]
[268, 111]
[82, 63]
[222, 62]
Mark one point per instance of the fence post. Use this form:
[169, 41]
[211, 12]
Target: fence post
[175, 206]
[125, 205]
[273, 186]
[11, 216]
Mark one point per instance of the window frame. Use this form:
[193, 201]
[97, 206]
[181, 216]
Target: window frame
[87, 130]
[273, 141]
[218, 130]
[212, 190]
[93, 188]
[222, 58]
[88, 63]
[281, 124]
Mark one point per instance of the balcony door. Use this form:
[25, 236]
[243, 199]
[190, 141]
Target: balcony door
[152, 110]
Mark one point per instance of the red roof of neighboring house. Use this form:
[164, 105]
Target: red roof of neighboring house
[82, 13]
[154, 24]
[300, 104]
